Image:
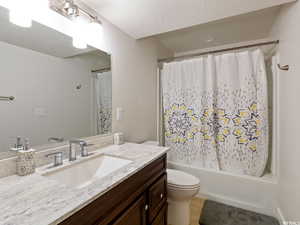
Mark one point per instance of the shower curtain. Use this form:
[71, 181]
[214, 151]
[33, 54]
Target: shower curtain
[103, 88]
[216, 112]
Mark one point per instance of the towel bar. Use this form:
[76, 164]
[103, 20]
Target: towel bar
[285, 67]
[7, 98]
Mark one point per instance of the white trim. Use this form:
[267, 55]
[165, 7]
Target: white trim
[160, 119]
[276, 125]
[158, 122]
[280, 216]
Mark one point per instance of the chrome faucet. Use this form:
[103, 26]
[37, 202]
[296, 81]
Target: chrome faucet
[58, 158]
[72, 152]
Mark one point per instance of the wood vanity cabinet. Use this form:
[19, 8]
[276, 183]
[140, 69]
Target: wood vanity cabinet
[135, 215]
[139, 200]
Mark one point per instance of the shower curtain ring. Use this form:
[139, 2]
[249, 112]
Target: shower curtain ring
[285, 67]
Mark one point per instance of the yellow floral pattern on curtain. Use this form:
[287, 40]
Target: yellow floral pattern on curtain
[213, 124]
[181, 125]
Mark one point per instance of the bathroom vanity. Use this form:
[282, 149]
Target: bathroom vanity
[139, 200]
[116, 185]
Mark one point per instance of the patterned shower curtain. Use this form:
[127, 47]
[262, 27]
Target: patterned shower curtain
[216, 112]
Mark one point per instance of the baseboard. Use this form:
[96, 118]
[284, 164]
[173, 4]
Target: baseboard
[239, 204]
[280, 216]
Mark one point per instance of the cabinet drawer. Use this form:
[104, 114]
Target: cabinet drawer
[157, 196]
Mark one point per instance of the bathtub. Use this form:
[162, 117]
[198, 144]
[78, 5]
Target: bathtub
[250, 193]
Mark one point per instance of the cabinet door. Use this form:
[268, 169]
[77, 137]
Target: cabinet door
[157, 196]
[161, 219]
[134, 215]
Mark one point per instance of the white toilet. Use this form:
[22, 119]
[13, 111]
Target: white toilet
[182, 187]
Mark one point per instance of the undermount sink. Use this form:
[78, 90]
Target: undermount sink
[82, 173]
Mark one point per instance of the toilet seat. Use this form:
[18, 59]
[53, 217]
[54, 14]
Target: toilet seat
[181, 180]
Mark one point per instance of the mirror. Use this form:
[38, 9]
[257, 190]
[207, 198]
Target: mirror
[58, 92]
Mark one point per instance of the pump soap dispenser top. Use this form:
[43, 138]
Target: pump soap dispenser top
[18, 145]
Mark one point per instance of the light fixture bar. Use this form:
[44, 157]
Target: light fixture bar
[93, 18]
[69, 9]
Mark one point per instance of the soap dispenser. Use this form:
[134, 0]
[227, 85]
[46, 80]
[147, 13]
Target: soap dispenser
[26, 160]
[18, 145]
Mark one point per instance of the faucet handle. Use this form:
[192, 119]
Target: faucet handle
[58, 158]
[83, 143]
[26, 144]
[83, 149]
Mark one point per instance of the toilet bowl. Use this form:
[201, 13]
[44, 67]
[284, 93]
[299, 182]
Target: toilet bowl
[182, 187]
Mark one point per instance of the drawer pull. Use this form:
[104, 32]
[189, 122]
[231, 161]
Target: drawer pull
[161, 196]
[146, 207]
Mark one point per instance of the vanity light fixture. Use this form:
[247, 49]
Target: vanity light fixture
[84, 22]
[70, 8]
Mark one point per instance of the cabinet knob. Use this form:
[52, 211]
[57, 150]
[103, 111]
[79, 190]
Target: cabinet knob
[146, 207]
[161, 196]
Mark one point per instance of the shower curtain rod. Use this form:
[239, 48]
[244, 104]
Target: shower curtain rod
[217, 51]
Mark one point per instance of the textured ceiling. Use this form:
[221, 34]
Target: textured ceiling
[243, 28]
[144, 18]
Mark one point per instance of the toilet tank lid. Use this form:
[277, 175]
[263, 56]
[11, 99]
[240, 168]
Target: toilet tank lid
[180, 178]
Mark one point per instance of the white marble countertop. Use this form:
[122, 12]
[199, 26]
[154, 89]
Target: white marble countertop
[37, 200]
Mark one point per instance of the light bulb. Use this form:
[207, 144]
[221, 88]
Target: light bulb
[19, 13]
[19, 18]
[79, 26]
[78, 43]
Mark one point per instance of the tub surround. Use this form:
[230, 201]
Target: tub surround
[38, 200]
[233, 189]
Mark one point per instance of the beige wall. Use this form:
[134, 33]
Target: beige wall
[134, 69]
[288, 31]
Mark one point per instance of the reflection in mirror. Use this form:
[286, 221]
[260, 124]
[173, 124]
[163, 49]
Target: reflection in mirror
[59, 92]
[103, 92]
